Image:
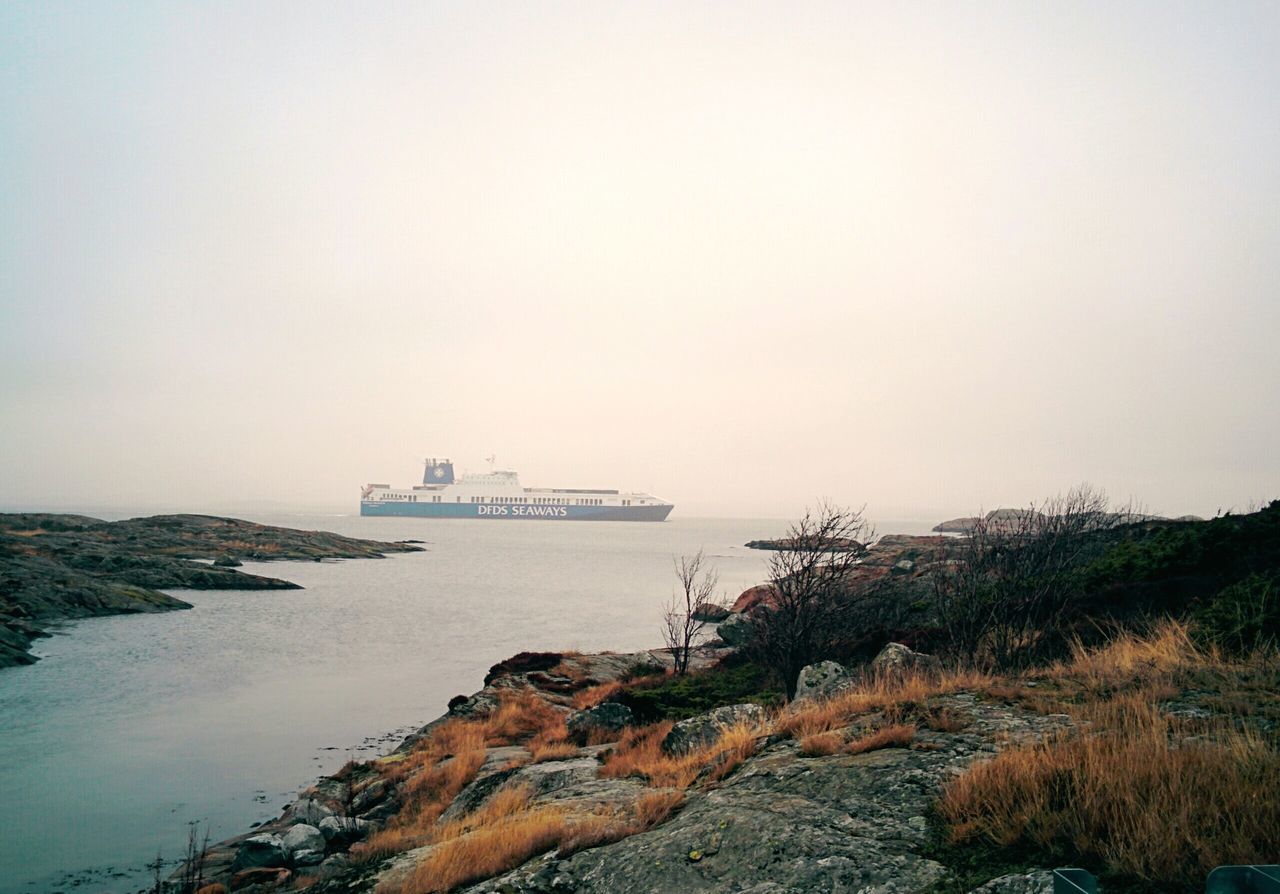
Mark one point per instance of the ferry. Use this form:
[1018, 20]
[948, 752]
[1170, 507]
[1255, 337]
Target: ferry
[499, 494]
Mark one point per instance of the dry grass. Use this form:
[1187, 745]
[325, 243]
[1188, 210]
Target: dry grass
[945, 720]
[594, 695]
[507, 830]
[446, 761]
[1131, 659]
[427, 795]
[639, 753]
[442, 782]
[639, 746]
[521, 717]
[649, 810]
[505, 803]
[1136, 794]
[1164, 664]
[875, 693]
[654, 807]
[822, 744]
[898, 735]
[488, 850]
[1147, 795]
[552, 751]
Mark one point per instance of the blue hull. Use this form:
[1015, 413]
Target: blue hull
[520, 511]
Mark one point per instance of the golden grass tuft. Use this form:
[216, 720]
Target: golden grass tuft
[638, 747]
[1130, 659]
[552, 731]
[654, 807]
[1135, 793]
[488, 850]
[898, 735]
[552, 751]
[639, 753]
[519, 717]
[821, 744]
[507, 830]
[888, 693]
[594, 695]
[506, 802]
[439, 767]
[945, 720]
[448, 759]
[650, 809]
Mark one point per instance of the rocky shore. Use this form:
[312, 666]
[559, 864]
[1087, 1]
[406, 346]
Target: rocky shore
[784, 819]
[56, 567]
[597, 774]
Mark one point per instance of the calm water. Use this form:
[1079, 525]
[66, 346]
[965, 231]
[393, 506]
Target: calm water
[131, 727]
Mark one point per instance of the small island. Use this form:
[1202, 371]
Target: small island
[781, 544]
[56, 567]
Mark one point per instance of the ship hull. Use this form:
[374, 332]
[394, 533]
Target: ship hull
[516, 513]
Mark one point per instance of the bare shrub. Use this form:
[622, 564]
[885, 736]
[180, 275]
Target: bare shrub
[687, 613]
[807, 607]
[1003, 597]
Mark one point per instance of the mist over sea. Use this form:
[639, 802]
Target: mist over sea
[130, 727]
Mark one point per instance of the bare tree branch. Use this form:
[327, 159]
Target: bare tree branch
[1002, 597]
[809, 581]
[690, 608]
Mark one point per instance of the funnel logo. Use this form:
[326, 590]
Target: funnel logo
[437, 472]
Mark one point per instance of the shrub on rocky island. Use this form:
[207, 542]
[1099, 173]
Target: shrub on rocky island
[732, 682]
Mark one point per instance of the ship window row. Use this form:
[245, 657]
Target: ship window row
[540, 501]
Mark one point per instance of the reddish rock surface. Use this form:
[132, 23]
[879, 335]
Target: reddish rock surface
[750, 598]
[263, 875]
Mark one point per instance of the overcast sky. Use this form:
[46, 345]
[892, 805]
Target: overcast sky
[930, 257]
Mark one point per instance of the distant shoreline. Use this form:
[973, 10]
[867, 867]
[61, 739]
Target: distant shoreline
[58, 567]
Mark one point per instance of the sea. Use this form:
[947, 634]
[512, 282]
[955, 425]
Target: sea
[130, 729]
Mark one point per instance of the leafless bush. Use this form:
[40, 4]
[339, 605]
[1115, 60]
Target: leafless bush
[1003, 595]
[690, 608]
[808, 606]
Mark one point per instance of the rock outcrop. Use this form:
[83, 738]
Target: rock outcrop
[895, 658]
[303, 837]
[1024, 883]
[736, 630]
[784, 823]
[607, 718]
[821, 680]
[698, 732]
[260, 850]
[760, 594]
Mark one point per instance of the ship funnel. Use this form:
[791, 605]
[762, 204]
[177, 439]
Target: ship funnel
[438, 471]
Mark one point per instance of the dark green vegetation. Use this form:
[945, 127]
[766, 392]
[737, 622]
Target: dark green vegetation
[1224, 573]
[1020, 598]
[57, 567]
[1221, 575]
[732, 682]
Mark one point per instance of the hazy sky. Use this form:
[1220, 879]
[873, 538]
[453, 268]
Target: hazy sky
[930, 257]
